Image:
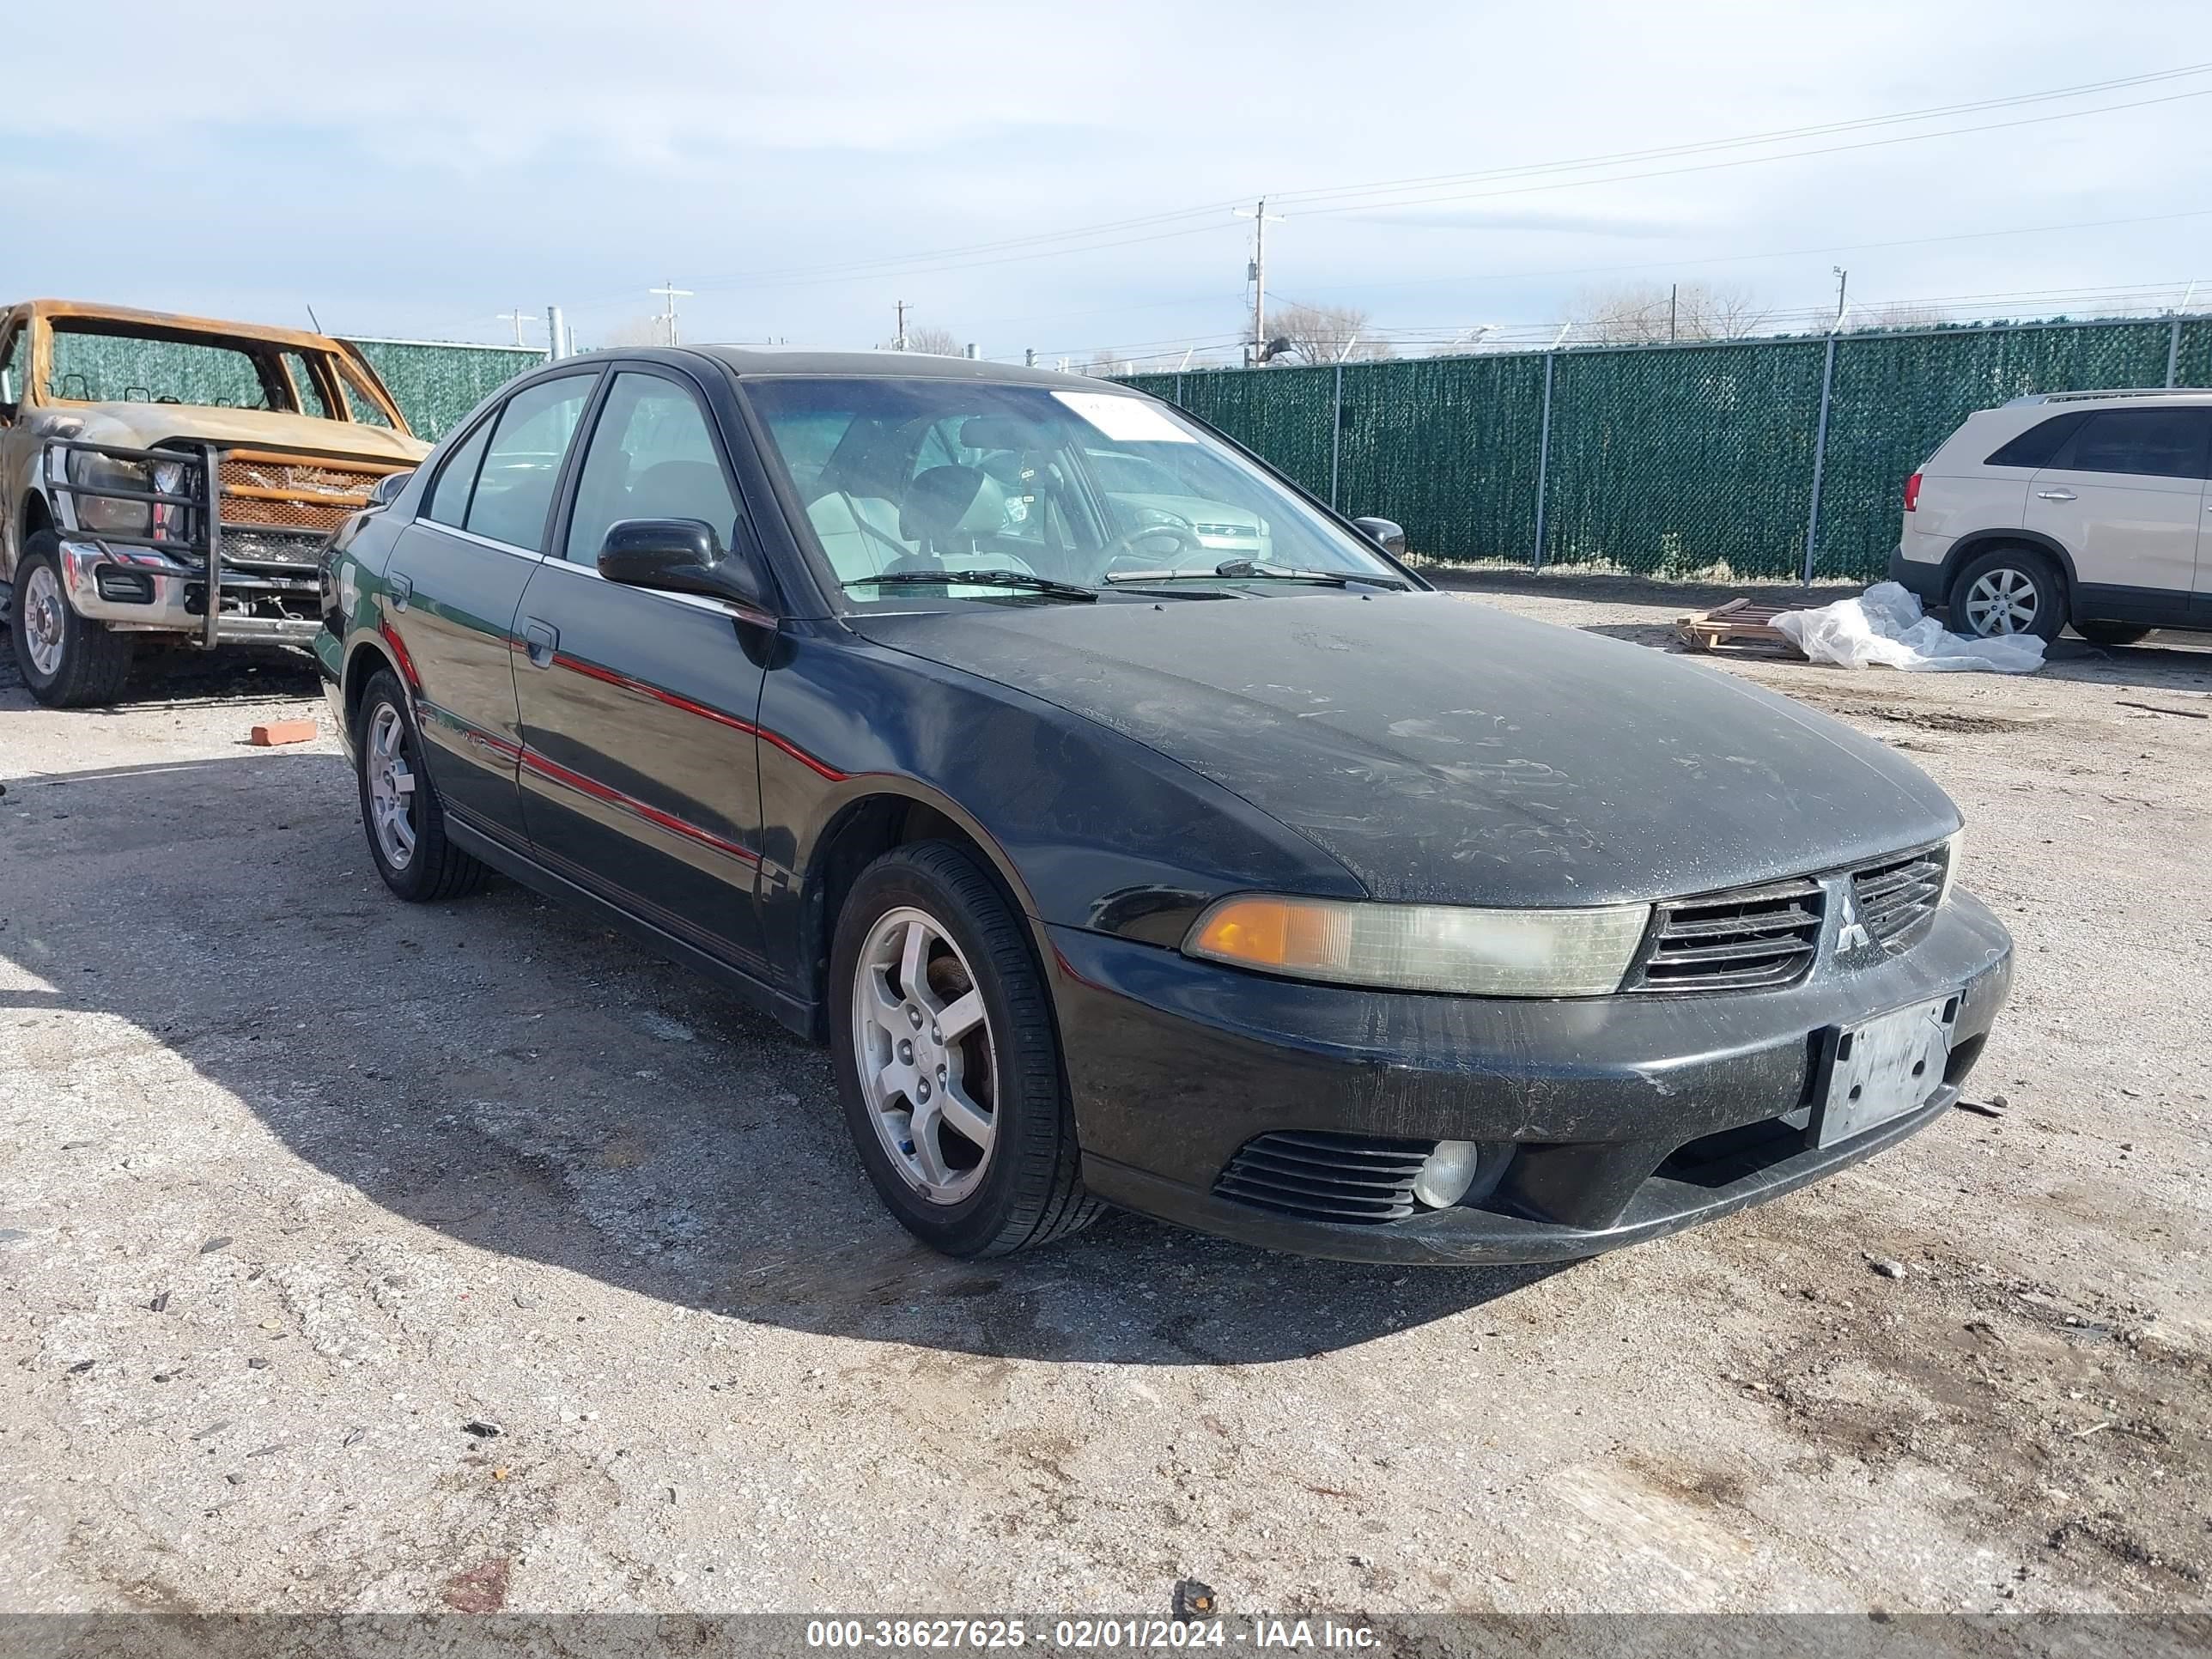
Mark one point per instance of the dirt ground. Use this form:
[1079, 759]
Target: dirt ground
[357, 1255]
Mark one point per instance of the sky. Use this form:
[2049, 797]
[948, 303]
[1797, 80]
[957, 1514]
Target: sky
[1061, 178]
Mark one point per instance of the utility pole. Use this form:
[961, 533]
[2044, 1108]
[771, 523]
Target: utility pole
[1029, 356]
[898, 340]
[556, 334]
[1258, 276]
[1843, 285]
[1673, 293]
[670, 293]
[517, 317]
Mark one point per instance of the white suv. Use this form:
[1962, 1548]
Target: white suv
[2090, 508]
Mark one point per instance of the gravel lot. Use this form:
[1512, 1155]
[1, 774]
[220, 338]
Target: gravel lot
[355, 1255]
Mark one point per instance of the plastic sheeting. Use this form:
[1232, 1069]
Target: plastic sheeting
[1886, 628]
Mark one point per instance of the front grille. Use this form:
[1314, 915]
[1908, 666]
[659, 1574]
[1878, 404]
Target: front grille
[1322, 1176]
[1896, 901]
[294, 495]
[1744, 939]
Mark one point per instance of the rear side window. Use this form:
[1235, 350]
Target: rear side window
[514, 486]
[449, 501]
[2156, 443]
[2036, 446]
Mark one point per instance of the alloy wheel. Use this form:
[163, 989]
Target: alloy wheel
[2002, 601]
[43, 623]
[391, 786]
[922, 1045]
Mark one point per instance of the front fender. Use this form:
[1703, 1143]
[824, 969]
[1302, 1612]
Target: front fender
[1087, 827]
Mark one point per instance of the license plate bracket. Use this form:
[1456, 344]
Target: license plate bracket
[1881, 1068]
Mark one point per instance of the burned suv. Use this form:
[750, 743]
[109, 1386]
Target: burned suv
[134, 443]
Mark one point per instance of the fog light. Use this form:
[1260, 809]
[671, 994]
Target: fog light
[1447, 1174]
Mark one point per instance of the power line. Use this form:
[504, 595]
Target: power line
[1045, 244]
[1781, 135]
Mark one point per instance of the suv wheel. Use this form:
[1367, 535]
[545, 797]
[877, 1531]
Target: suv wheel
[948, 1059]
[67, 660]
[400, 806]
[2009, 590]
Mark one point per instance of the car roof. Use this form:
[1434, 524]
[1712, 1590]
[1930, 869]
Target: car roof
[746, 360]
[2189, 395]
[92, 310]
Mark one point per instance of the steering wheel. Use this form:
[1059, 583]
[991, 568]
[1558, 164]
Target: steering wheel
[1121, 547]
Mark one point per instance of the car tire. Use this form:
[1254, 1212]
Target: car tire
[67, 661]
[2009, 590]
[2111, 633]
[399, 807]
[974, 1194]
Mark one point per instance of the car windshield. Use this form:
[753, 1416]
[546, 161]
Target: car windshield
[101, 362]
[901, 478]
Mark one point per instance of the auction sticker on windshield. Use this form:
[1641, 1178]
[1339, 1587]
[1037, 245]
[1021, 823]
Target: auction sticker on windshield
[1125, 420]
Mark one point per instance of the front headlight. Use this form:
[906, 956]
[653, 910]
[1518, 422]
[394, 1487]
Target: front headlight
[1425, 947]
[1953, 850]
[93, 471]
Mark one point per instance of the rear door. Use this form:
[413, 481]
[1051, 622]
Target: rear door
[639, 775]
[455, 579]
[2124, 494]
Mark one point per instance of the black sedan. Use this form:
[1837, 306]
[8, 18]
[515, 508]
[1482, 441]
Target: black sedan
[1136, 829]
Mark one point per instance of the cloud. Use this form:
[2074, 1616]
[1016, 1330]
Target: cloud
[426, 166]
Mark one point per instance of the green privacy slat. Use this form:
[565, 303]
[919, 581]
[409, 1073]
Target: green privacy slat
[1664, 460]
[1899, 396]
[435, 385]
[1674, 461]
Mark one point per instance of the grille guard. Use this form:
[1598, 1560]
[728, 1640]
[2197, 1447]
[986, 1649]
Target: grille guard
[250, 560]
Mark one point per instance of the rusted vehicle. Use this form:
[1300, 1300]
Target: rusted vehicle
[173, 476]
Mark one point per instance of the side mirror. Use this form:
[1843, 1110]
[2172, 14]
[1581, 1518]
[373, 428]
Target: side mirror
[385, 490]
[1385, 534]
[677, 556]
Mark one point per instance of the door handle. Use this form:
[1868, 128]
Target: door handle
[542, 639]
[403, 590]
[2054, 495]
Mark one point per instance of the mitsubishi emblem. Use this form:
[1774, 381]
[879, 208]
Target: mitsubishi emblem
[1852, 935]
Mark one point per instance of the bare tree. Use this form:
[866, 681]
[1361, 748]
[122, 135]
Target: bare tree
[937, 341]
[1897, 314]
[636, 331]
[1651, 314]
[1326, 334]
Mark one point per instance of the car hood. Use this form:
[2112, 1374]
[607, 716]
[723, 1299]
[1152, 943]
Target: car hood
[144, 426]
[1443, 751]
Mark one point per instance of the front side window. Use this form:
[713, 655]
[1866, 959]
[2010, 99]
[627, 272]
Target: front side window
[522, 463]
[652, 457]
[2159, 443]
[365, 407]
[307, 391]
[900, 475]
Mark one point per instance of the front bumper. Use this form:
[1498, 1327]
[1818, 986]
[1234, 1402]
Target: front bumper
[174, 601]
[1613, 1119]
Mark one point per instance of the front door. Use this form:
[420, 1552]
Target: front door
[454, 584]
[2125, 496]
[639, 775]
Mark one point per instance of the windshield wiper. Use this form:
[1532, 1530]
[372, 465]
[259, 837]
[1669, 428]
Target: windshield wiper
[974, 579]
[1254, 570]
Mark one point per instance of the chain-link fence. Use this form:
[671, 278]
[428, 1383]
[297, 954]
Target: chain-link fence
[1747, 459]
[436, 383]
